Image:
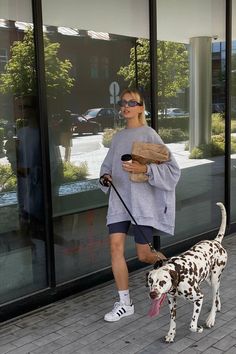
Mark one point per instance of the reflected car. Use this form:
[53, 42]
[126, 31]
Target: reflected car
[106, 117]
[81, 125]
[176, 112]
[218, 107]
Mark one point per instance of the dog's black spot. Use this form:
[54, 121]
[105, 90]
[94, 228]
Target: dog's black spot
[162, 283]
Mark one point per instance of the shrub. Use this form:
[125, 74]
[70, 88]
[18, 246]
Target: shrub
[1, 139]
[174, 123]
[21, 122]
[215, 148]
[217, 123]
[74, 173]
[7, 178]
[172, 135]
[233, 126]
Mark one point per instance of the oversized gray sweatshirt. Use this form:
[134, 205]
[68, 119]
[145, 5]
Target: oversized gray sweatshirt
[152, 202]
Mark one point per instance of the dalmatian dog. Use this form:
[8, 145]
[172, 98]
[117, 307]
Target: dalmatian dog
[183, 275]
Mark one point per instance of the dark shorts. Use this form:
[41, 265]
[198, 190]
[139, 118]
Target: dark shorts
[123, 227]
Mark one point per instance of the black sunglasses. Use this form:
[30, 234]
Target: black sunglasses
[123, 103]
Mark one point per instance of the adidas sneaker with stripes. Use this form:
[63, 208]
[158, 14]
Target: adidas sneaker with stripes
[119, 310]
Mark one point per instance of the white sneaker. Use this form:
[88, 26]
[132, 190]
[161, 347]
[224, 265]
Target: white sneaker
[119, 310]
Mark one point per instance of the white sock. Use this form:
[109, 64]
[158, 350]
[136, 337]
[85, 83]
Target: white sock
[124, 296]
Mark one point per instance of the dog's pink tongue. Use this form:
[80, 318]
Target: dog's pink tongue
[156, 305]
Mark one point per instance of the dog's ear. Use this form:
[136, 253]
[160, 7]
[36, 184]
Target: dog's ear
[175, 278]
[147, 274]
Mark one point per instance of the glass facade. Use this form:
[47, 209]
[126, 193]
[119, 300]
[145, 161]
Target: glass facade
[191, 96]
[22, 240]
[88, 59]
[233, 115]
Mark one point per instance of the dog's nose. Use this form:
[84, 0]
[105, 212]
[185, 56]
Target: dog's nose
[153, 294]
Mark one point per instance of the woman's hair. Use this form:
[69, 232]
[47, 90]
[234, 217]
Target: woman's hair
[137, 95]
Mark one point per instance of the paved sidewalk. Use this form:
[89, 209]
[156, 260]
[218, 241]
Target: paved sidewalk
[76, 325]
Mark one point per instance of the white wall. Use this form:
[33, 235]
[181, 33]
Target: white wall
[180, 20]
[16, 10]
[125, 17]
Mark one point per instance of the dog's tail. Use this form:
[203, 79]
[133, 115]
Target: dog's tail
[221, 232]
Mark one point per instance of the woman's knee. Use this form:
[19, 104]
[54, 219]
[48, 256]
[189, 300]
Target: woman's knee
[116, 245]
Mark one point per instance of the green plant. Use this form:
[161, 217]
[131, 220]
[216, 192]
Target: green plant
[172, 135]
[7, 178]
[73, 173]
[217, 123]
[233, 126]
[1, 139]
[215, 148]
[19, 77]
[172, 68]
[21, 122]
[186, 146]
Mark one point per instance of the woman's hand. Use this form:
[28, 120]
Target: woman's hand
[134, 167]
[105, 179]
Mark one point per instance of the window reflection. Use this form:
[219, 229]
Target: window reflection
[22, 235]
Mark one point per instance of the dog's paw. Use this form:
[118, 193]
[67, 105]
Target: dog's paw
[218, 307]
[169, 338]
[198, 329]
[210, 322]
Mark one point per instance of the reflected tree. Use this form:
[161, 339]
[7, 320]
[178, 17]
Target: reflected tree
[172, 68]
[19, 77]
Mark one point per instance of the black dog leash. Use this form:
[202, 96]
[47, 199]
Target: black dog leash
[104, 181]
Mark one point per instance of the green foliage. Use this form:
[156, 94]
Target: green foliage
[74, 173]
[108, 135]
[172, 135]
[172, 68]
[19, 77]
[21, 122]
[1, 138]
[233, 126]
[7, 178]
[233, 145]
[174, 123]
[215, 148]
[218, 123]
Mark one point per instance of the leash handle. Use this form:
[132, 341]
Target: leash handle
[104, 182]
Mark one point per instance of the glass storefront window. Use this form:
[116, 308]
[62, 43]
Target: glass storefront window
[95, 57]
[22, 231]
[191, 92]
[233, 116]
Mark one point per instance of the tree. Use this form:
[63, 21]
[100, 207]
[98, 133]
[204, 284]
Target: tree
[172, 68]
[19, 77]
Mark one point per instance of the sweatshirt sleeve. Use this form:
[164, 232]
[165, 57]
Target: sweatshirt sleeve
[164, 176]
[106, 167]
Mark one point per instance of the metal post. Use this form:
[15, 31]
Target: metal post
[42, 100]
[228, 73]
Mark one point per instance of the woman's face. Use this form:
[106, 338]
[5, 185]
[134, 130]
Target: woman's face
[127, 111]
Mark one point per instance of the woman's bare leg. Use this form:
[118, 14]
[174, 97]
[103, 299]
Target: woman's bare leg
[118, 262]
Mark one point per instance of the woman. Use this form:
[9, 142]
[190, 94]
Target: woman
[152, 203]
